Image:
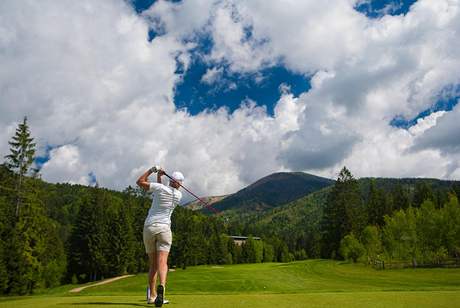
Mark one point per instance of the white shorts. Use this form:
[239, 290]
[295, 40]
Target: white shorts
[157, 237]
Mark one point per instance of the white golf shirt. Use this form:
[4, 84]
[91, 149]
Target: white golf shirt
[165, 199]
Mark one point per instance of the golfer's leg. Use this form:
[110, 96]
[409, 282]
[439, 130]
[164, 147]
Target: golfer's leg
[153, 270]
[162, 257]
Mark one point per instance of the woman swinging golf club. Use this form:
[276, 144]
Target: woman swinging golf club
[157, 228]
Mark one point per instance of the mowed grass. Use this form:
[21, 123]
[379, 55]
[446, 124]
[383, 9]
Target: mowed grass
[312, 283]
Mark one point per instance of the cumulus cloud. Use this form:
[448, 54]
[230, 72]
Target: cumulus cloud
[93, 84]
[445, 135]
[65, 165]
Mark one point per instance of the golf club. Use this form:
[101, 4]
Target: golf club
[206, 205]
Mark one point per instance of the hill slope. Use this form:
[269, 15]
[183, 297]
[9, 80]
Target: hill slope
[272, 191]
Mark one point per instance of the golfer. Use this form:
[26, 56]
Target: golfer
[157, 228]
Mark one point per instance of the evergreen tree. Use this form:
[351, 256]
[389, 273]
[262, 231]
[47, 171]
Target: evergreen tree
[20, 159]
[377, 205]
[455, 188]
[138, 206]
[89, 239]
[423, 191]
[120, 251]
[253, 250]
[28, 244]
[344, 213]
[54, 258]
[400, 198]
[232, 250]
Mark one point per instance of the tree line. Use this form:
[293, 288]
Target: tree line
[422, 227]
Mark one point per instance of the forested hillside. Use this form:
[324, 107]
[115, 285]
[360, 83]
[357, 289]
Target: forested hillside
[313, 226]
[271, 191]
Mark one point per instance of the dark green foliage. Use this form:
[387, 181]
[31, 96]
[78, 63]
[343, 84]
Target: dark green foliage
[21, 157]
[252, 251]
[344, 213]
[22, 150]
[378, 205]
[423, 191]
[400, 197]
[36, 257]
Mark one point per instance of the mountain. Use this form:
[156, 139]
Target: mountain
[273, 190]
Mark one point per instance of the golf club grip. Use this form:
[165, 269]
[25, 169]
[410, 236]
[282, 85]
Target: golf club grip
[207, 205]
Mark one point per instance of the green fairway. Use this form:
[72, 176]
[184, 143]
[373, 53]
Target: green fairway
[313, 283]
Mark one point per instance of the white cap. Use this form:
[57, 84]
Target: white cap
[178, 176]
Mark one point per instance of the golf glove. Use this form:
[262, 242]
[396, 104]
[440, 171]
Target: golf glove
[155, 169]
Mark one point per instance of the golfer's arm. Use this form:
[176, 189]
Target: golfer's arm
[159, 177]
[143, 182]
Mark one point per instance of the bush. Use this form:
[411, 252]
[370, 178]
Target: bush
[351, 248]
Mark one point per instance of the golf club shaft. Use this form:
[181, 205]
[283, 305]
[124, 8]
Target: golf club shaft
[207, 205]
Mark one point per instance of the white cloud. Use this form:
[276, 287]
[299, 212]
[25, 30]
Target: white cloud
[212, 75]
[425, 123]
[65, 165]
[445, 135]
[90, 81]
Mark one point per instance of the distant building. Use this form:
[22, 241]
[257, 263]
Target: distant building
[239, 240]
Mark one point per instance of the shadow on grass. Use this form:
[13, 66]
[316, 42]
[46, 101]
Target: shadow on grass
[109, 304]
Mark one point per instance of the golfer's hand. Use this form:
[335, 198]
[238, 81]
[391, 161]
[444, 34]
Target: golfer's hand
[161, 172]
[155, 169]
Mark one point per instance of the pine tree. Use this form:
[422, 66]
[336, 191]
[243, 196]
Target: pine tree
[423, 192]
[376, 205]
[28, 244]
[22, 156]
[344, 213]
[400, 198]
[120, 239]
[88, 245]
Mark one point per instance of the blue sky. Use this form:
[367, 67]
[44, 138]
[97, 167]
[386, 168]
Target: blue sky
[233, 88]
[444, 101]
[378, 8]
